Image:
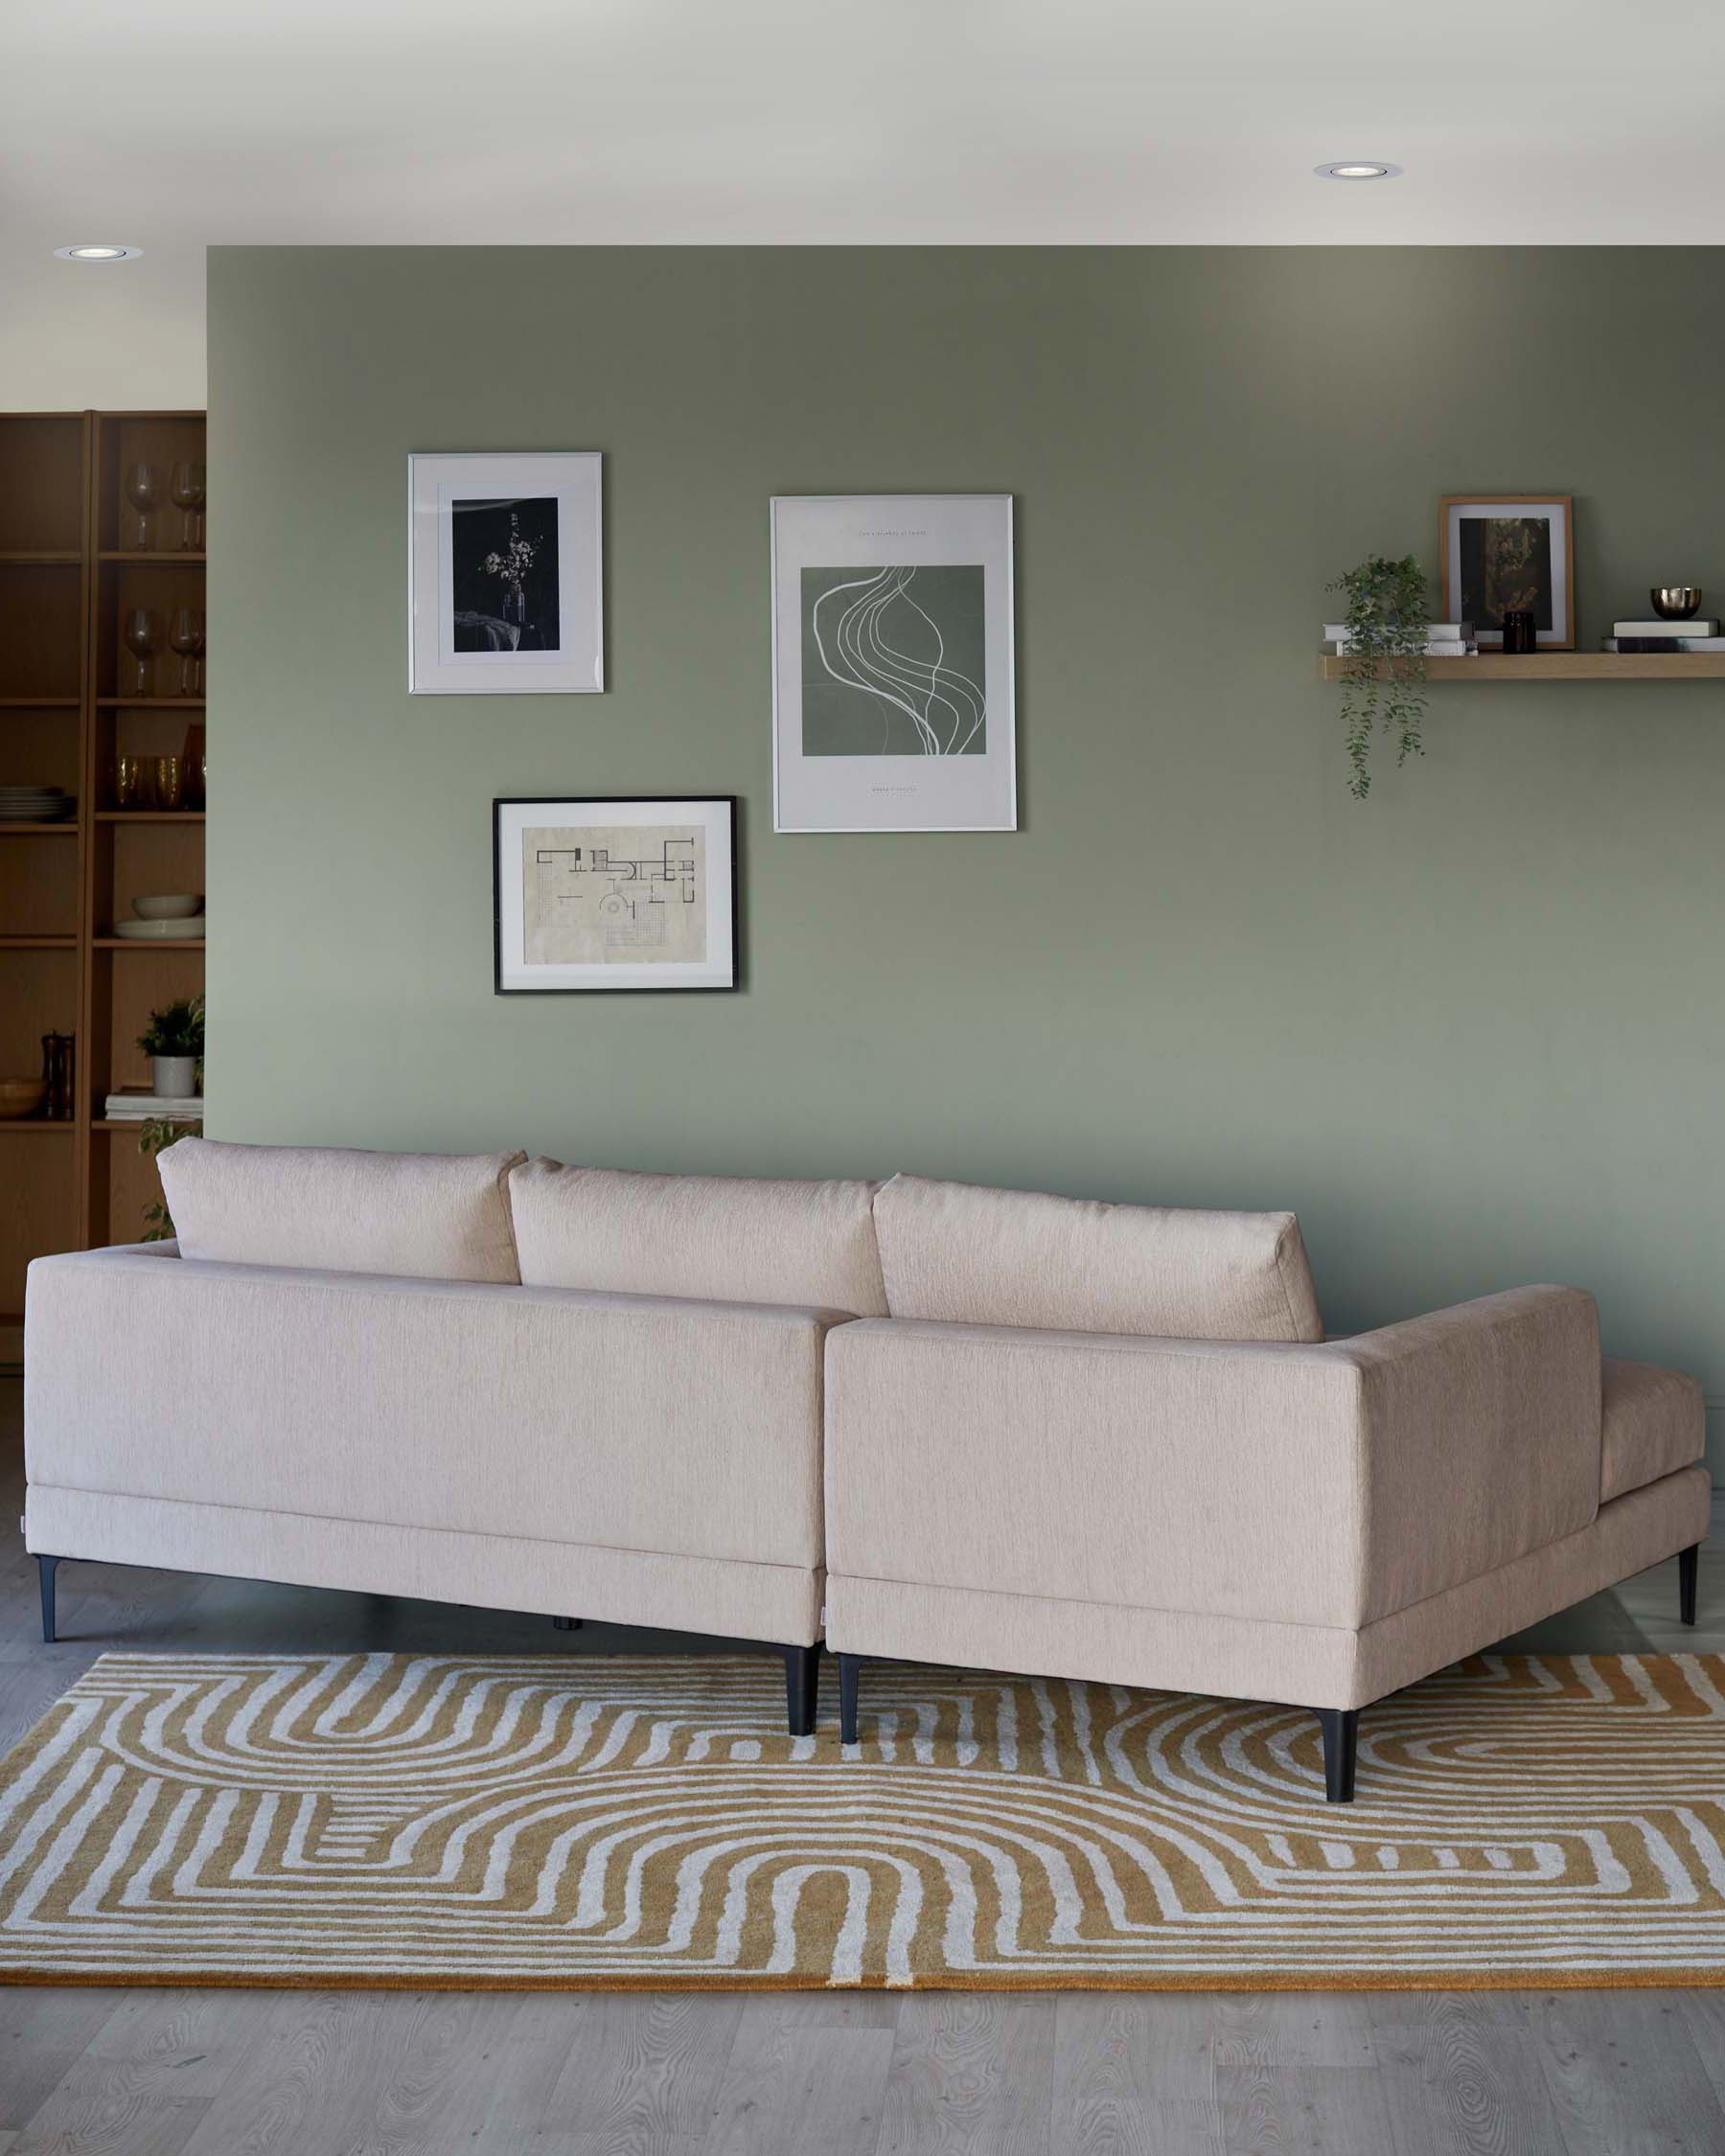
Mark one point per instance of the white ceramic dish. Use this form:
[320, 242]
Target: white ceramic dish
[156, 931]
[169, 906]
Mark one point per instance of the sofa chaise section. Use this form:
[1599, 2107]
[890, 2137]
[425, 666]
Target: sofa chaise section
[636, 1459]
[1308, 1522]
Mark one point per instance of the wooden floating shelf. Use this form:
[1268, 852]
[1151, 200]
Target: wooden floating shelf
[17, 560]
[63, 827]
[120, 553]
[1558, 666]
[150, 815]
[38, 943]
[149, 703]
[57, 1124]
[39, 704]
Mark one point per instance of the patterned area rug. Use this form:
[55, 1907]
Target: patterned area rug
[565, 1821]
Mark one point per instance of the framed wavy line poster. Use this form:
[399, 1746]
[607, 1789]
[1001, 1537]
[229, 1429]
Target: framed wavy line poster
[893, 663]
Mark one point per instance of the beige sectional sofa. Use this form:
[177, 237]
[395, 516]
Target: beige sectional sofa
[939, 1423]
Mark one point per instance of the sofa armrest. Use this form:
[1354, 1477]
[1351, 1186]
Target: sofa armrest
[1326, 1485]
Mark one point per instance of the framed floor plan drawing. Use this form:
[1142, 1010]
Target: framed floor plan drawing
[506, 575]
[602, 894]
[892, 689]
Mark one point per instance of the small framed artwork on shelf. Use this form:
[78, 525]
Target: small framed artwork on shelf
[893, 663]
[1510, 555]
[506, 575]
[608, 894]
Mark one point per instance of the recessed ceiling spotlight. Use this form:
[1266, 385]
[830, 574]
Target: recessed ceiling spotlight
[1358, 168]
[99, 251]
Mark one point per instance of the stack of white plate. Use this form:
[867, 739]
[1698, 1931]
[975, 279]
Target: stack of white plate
[35, 804]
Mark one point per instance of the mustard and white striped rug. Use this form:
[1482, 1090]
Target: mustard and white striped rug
[551, 1822]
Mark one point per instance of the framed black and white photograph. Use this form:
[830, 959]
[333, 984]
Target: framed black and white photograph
[893, 663]
[611, 893]
[1510, 553]
[506, 576]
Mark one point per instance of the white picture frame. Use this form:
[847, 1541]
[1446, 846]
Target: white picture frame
[893, 685]
[575, 891]
[506, 574]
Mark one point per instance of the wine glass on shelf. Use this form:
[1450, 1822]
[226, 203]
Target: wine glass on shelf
[186, 634]
[139, 630]
[143, 491]
[188, 487]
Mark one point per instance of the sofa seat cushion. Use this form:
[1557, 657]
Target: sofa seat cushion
[959, 1254]
[692, 1429]
[710, 1238]
[1653, 1423]
[421, 1215]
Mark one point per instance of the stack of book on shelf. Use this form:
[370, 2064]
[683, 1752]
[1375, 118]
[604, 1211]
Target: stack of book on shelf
[133, 1104]
[1444, 639]
[1664, 636]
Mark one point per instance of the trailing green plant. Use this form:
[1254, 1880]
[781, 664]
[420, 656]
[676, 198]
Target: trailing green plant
[155, 1137]
[176, 1029]
[1383, 665]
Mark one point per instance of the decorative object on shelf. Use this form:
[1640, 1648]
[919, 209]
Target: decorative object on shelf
[167, 787]
[1384, 678]
[893, 663]
[1520, 630]
[1671, 633]
[189, 931]
[36, 804]
[1506, 553]
[137, 1104]
[169, 906]
[143, 490]
[186, 636]
[21, 1098]
[506, 574]
[608, 893]
[192, 766]
[1676, 602]
[58, 1077]
[188, 489]
[157, 1132]
[173, 1041]
[140, 635]
[131, 781]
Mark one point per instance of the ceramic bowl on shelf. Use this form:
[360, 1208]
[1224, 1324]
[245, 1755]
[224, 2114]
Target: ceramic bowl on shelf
[161, 932]
[21, 1096]
[169, 906]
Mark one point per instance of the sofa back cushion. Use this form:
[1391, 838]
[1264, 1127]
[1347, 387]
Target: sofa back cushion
[426, 1215]
[963, 1255]
[704, 1238]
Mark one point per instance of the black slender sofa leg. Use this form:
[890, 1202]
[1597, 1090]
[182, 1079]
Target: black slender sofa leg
[802, 1689]
[850, 1668]
[46, 1566]
[1689, 1579]
[567, 1624]
[1340, 1727]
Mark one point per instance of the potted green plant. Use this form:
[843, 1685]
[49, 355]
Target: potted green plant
[1383, 661]
[174, 1041]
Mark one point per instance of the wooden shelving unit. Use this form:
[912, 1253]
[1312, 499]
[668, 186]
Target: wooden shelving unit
[1559, 666]
[67, 579]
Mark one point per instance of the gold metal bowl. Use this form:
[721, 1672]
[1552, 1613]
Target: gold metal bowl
[1676, 602]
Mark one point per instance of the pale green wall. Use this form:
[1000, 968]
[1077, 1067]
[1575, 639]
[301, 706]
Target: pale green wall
[1472, 1030]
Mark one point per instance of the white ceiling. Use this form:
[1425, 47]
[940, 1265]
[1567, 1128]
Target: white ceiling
[176, 123]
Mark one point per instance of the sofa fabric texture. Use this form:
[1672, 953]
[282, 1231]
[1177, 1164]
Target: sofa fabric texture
[959, 1254]
[1321, 1484]
[417, 1215]
[682, 1427]
[1654, 1423]
[722, 1238]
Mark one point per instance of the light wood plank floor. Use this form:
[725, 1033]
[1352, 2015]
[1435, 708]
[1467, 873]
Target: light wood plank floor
[141, 2072]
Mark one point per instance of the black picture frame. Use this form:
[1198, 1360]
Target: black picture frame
[730, 915]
